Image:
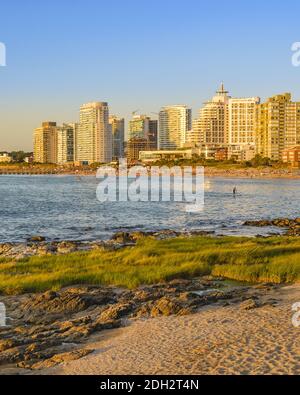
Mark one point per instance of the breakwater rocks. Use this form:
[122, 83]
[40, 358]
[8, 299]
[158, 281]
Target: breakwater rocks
[39, 246]
[292, 225]
[53, 327]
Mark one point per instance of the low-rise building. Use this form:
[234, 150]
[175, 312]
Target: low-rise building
[208, 151]
[154, 156]
[292, 156]
[221, 154]
[29, 159]
[241, 153]
[5, 158]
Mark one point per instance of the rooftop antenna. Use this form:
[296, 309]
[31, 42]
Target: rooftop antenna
[222, 91]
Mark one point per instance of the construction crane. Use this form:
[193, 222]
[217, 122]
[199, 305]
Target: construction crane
[134, 112]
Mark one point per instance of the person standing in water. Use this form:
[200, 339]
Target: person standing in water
[234, 191]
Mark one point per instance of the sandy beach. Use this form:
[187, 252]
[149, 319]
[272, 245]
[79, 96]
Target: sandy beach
[210, 171]
[216, 340]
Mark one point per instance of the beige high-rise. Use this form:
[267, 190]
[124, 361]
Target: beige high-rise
[278, 126]
[242, 120]
[66, 143]
[212, 125]
[45, 143]
[174, 122]
[94, 139]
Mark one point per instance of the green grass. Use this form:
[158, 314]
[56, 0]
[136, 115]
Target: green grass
[275, 259]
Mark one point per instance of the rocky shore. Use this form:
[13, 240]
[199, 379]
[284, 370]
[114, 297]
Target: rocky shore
[292, 226]
[254, 337]
[47, 329]
[39, 246]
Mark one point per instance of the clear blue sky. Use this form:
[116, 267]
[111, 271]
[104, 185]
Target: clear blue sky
[138, 55]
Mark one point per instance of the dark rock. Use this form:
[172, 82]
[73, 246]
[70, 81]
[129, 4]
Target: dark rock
[292, 225]
[202, 233]
[115, 312]
[66, 247]
[60, 358]
[261, 223]
[168, 307]
[249, 304]
[36, 239]
[166, 234]
[5, 248]
[38, 307]
[123, 238]
[57, 323]
[136, 236]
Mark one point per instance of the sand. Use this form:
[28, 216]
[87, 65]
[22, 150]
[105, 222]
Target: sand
[217, 340]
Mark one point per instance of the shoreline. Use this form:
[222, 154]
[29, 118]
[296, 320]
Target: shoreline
[228, 340]
[213, 172]
[40, 246]
[235, 330]
[193, 307]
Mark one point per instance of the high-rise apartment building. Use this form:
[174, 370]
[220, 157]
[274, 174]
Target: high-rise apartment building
[94, 138]
[212, 125]
[278, 126]
[75, 127]
[174, 122]
[45, 143]
[117, 126]
[193, 136]
[139, 127]
[242, 120]
[153, 134]
[66, 143]
[142, 127]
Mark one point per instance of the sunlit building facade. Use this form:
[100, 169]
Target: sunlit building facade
[212, 125]
[278, 126]
[45, 143]
[242, 120]
[139, 127]
[94, 139]
[66, 143]
[174, 123]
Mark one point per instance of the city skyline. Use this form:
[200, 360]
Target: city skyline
[136, 57]
[195, 113]
[227, 128]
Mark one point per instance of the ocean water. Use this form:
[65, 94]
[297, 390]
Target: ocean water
[66, 208]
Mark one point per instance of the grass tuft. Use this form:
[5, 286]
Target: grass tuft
[275, 259]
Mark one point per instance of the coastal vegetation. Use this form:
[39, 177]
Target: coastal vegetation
[274, 259]
[258, 167]
[231, 164]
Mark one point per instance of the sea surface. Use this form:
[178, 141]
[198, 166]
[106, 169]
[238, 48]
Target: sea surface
[66, 208]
